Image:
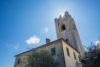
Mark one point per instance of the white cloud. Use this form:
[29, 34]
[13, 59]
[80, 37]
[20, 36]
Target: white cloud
[33, 40]
[97, 42]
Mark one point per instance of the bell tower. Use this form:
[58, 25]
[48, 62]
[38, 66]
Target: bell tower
[66, 29]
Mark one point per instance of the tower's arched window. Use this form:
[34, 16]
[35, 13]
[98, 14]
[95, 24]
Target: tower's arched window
[63, 27]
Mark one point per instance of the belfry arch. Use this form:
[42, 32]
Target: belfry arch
[63, 27]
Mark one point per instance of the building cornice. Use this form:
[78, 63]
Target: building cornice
[47, 44]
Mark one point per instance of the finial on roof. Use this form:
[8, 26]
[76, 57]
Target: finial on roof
[47, 40]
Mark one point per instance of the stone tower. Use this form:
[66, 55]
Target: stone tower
[66, 29]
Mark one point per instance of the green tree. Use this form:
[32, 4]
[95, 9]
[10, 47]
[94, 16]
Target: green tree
[92, 58]
[41, 59]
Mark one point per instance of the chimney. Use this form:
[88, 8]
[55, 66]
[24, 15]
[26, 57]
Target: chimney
[47, 40]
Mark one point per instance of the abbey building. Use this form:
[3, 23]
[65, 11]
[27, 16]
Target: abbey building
[67, 48]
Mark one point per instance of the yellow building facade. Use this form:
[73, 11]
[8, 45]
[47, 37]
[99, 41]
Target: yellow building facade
[71, 59]
[65, 54]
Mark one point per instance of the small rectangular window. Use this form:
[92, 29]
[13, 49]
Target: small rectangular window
[53, 51]
[18, 61]
[74, 55]
[67, 51]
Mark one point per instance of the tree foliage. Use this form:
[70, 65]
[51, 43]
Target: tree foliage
[92, 58]
[41, 59]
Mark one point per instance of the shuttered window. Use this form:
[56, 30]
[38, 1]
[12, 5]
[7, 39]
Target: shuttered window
[67, 51]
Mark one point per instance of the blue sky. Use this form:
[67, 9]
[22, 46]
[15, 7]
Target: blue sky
[22, 20]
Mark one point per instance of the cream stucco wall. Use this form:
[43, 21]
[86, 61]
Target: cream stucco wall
[69, 60]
